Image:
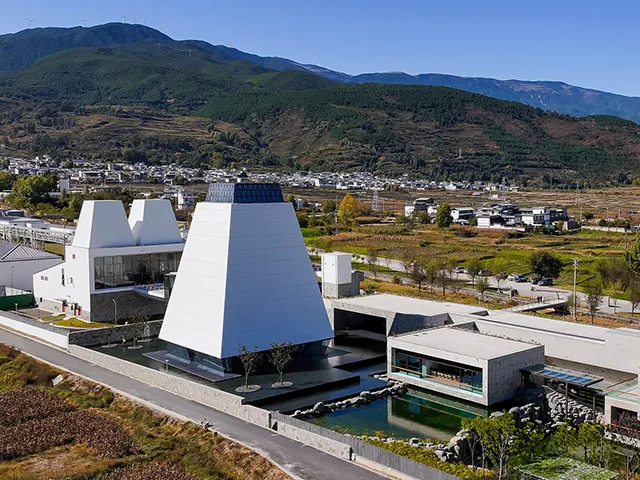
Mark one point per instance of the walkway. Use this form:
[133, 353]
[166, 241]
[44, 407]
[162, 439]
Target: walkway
[533, 307]
[296, 459]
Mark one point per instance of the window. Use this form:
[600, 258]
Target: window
[128, 270]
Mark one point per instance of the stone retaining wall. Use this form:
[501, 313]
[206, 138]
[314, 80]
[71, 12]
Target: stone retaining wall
[100, 336]
[316, 441]
[212, 397]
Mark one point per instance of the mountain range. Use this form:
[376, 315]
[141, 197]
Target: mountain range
[97, 92]
[548, 95]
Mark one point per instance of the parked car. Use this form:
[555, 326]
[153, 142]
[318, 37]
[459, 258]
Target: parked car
[535, 280]
[512, 277]
[484, 273]
[545, 282]
[460, 270]
[521, 279]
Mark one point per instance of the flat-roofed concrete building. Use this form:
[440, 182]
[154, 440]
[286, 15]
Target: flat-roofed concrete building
[600, 362]
[461, 363]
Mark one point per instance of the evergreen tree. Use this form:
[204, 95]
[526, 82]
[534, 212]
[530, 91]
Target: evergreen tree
[443, 215]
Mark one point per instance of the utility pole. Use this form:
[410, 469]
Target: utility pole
[335, 219]
[576, 262]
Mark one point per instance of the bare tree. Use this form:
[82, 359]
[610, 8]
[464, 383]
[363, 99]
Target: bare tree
[372, 261]
[250, 360]
[280, 355]
[418, 273]
[444, 277]
[138, 322]
[594, 298]
[482, 285]
[473, 268]
[631, 465]
[634, 295]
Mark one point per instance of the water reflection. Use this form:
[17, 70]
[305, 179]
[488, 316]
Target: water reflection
[411, 415]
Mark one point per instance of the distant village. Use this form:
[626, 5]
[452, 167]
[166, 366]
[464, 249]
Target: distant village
[176, 181]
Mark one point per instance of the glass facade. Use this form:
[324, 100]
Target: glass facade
[460, 376]
[128, 270]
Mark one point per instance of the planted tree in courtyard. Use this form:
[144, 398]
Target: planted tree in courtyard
[138, 322]
[502, 444]
[592, 440]
[431, 273]
[280, 355]
[418, 273]
[482, 285]
[250, 359]
[443, 215]
[372, 261]
[594, 298]
[545, 264]
[473, 268]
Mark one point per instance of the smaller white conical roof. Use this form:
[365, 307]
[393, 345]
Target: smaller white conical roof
[152, 222]
[103, 224]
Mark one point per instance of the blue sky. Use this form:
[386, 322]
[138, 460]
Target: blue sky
[588, 43]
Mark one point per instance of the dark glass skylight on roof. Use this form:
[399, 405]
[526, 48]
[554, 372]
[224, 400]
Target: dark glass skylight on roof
[244, 193]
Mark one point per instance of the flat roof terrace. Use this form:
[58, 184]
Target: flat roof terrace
[408, 305]
[462, 342]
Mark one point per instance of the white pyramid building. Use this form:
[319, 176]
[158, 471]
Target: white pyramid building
[245, 277]
[152, 222]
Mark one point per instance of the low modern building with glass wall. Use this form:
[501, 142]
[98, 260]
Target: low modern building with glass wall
[113, 262]
[461, 363]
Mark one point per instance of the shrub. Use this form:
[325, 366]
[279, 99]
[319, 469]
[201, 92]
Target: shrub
[101, 433]
[427, 457]
[29, 403]
[150, 471]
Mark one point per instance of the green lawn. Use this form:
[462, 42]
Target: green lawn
[76, 322]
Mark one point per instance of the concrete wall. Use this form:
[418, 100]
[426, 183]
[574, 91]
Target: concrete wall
[628, 402]
[32, 328]
[212, 397]
[503, 373]
[100, 336]
[615, 349]
[426, 384]
[316, 441]
[128, 303]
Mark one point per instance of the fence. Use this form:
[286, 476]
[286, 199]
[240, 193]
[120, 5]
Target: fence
[358, 447]
[16, 301]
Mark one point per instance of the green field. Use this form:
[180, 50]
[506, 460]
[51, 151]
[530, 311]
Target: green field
[459, 244]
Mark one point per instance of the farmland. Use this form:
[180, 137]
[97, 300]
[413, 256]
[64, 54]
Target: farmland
[79, 430]
[459, 244]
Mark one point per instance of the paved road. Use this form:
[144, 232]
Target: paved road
[297, 459]
[609, 305]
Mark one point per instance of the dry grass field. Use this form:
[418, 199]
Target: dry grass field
[79, 430]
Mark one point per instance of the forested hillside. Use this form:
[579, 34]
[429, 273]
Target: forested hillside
[159, 100]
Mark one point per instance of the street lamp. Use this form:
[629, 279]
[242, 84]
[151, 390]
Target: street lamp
[576, 262]
[12, 275]
[115, 311]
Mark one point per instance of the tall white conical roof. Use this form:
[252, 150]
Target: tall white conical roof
[153, 222]
[245, 278]
[103, 224]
